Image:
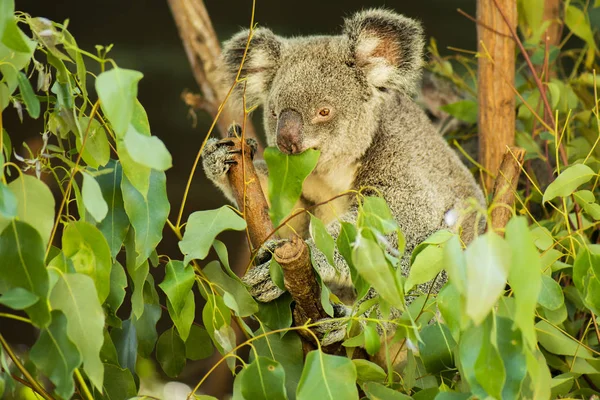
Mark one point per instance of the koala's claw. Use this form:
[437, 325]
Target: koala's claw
[258, 278]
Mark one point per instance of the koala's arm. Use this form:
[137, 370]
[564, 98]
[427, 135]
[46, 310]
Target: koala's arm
[216, 160]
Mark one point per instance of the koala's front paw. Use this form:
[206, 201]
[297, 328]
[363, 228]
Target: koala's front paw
[219, 155]
[258, 278]
[330, 330]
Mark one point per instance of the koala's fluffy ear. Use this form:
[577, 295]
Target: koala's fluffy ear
[260, 65]
[388, 47]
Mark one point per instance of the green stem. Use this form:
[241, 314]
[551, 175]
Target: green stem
[83, 385]
[34, 384]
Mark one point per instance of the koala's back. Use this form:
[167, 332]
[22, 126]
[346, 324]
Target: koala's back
[418, 174]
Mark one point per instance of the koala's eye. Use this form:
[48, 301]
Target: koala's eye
[324, 112]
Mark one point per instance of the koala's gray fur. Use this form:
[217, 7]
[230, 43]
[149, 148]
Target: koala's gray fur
[373, 136]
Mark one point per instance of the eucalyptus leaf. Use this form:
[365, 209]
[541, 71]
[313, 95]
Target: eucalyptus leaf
[264, 379]
[327, 377]
[286, 176]
[568, 180]
[170, 352]
[117, 90]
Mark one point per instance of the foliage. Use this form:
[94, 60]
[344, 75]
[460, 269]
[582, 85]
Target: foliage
[69, 271]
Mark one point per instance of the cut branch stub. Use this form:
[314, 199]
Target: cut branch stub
[248, 193]
[299, 280]
[505, 188]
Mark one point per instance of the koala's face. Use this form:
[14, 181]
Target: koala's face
[326, 92]
[314, 96]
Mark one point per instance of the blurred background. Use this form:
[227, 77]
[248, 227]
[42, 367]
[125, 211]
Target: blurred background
[145, 38]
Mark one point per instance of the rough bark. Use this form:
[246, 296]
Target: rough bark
[203, 51]
[249, 195]
[505, 188]
[496, 97]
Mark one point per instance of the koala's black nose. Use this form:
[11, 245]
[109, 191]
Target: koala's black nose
[289, 131]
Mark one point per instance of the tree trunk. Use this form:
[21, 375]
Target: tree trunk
[496, 97]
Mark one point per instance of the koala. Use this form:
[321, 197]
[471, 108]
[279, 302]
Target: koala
[351, 97]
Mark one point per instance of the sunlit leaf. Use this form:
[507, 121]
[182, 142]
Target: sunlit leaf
[35, 205]
[345, 243]
[96, 152]
[368, 371]
[568, 180]
[372, 265]
[203, 227]
[551, 295]
[286, 176]
[558, 342]
[92, 198]
[75, 295]
[148, 151]
[525, 276]
[117, 90]
[376, 391]
[85, 246]
[586, 276]
[488, 263]
[464, 110]
[322, 239]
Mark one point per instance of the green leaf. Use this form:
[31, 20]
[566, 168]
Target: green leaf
[576, 21]
[137, 174]
[125, 342]
[118, 383]
[118, 283]
[322, 239]
[264, 379]
[376, 391]
[92, 198]
[185, 317]
[451, 303]
[35, 205]
[14, 38]
[22, 266]
[557, 342]
[464, 110]
[327, 377]
[96, 152]
[18, 298]
[178, 282]
[170, 352]
[586, 276]
[525, 276]
[436, 348]
[203, 227]
[587, 201]
[345, 243]
[568, 180]
[117, 90]
[148, 151]
[372, 265]
[148, 214]
[198, 345]
[276, 314]
[215, 314]
[287, 350]
[533, 11]
[372, 341]
[276, 273]
[85, 246]
[145, 326]
[116, 223]
[427, 264]
[8, 202]
[375, 214]
[56, 356]
[551, 295]
[488, 260]
[75, 295]
[510, 347]
[368, 371]
[235, 295]
[489, 369]
[29, 98]
[286, 176]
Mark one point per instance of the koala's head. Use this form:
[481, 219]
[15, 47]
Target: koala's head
[327, 92]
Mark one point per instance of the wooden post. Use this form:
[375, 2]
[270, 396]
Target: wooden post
[496, 98]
